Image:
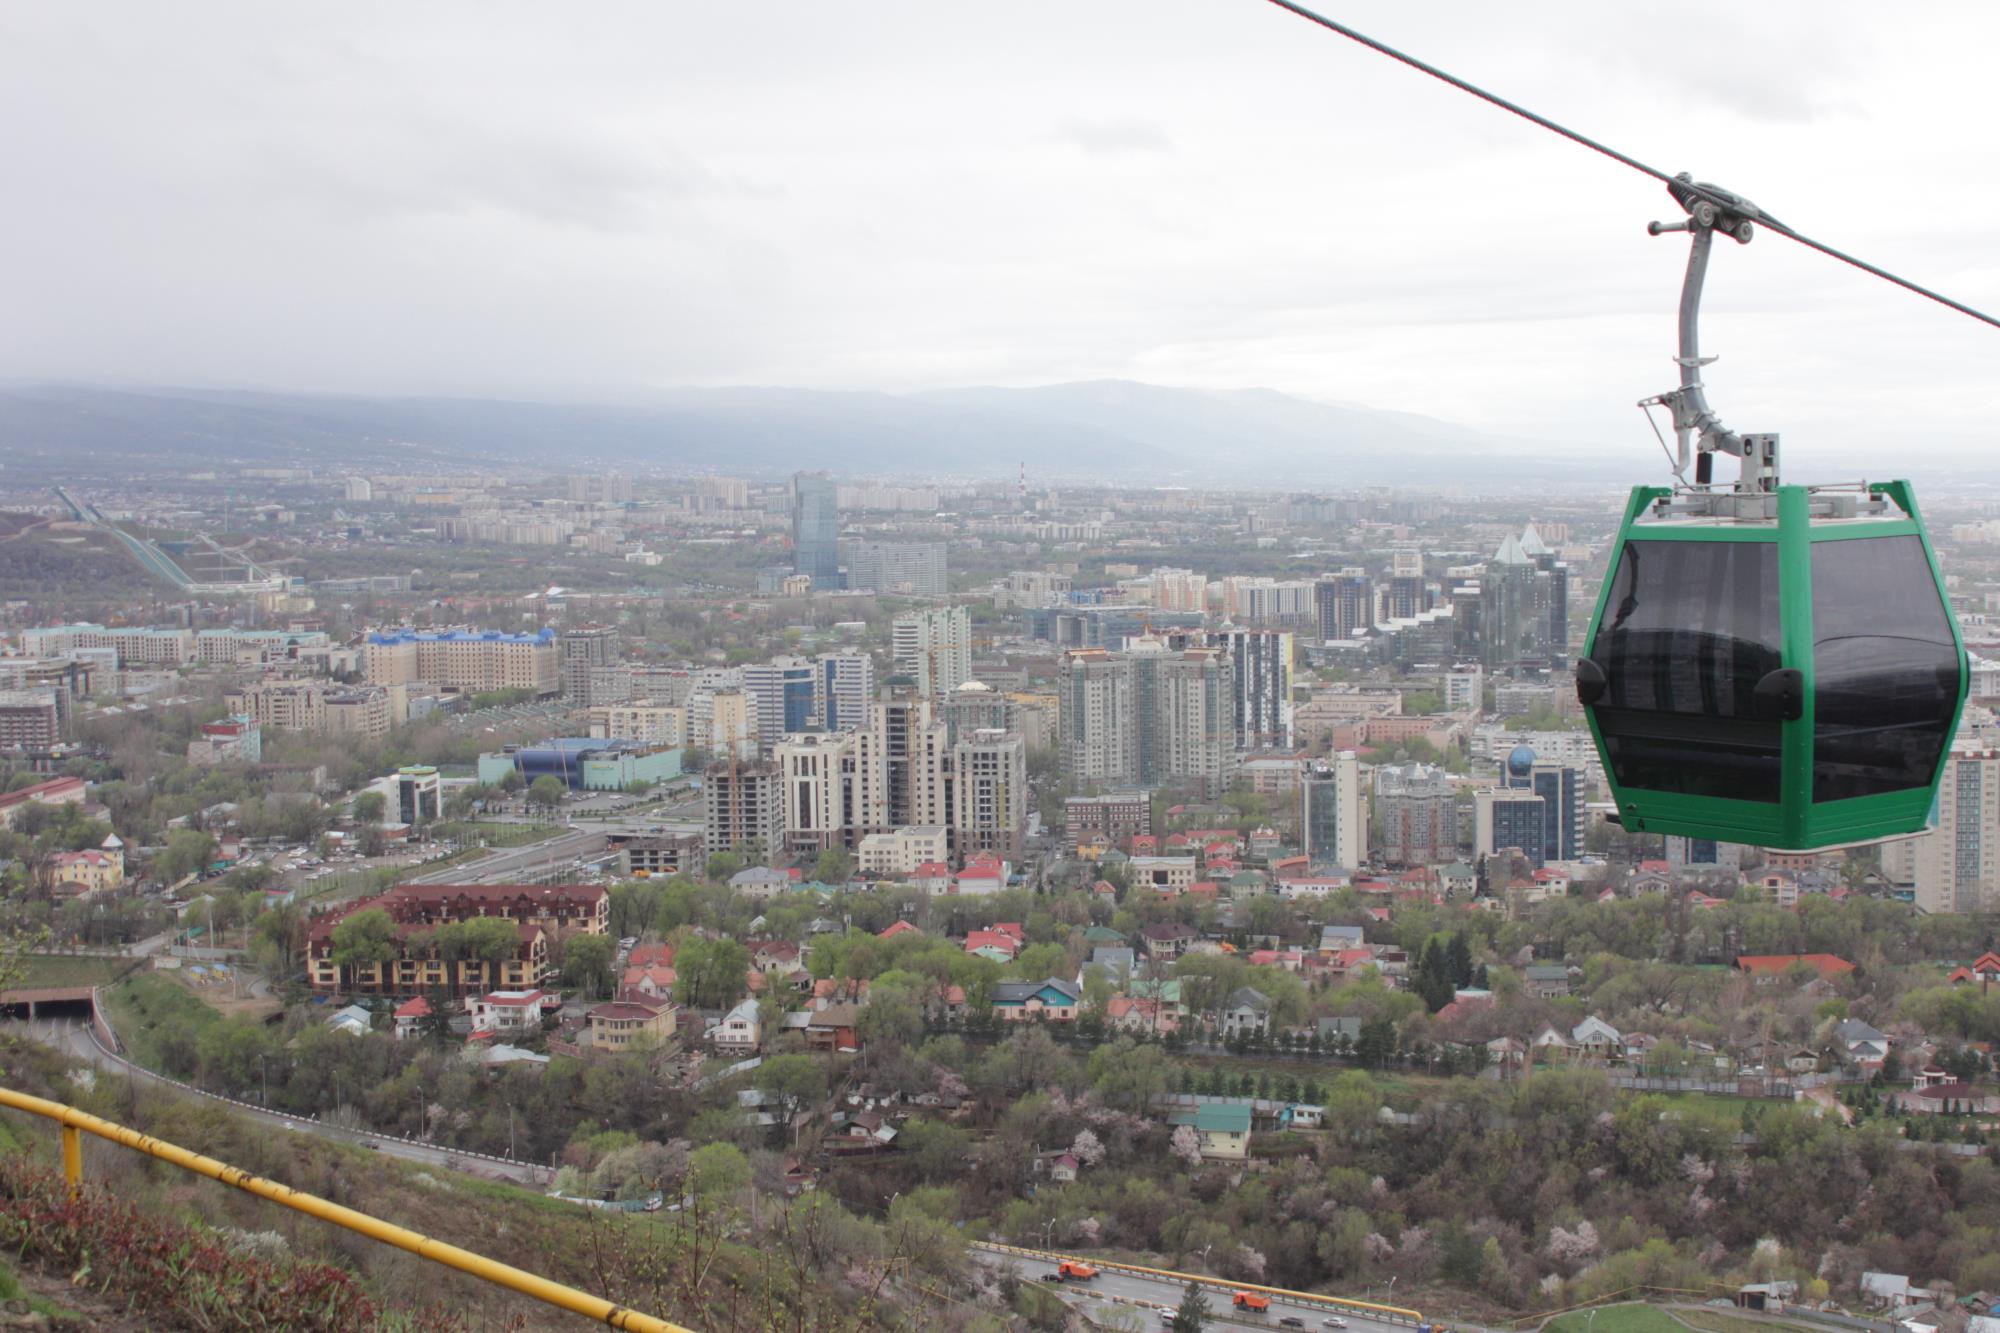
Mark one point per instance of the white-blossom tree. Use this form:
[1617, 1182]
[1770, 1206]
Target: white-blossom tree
[1087, 1148]
[1186, 1145]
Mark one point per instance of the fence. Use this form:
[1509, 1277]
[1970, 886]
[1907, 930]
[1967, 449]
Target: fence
[1396, 1314]
[107, 1041]
[75, 1124]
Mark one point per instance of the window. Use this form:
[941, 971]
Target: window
[1689, 629]
[1886, 668]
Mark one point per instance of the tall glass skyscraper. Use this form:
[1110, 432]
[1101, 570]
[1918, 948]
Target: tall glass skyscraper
[816, 528]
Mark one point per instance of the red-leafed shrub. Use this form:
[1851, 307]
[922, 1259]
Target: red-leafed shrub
[180, 1276]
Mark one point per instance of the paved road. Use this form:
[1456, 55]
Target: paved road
[532, 859]
[74, 1035]
[1134, 1288]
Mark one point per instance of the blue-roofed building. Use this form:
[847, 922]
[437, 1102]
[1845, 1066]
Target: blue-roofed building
[584, 763]
[464, 660]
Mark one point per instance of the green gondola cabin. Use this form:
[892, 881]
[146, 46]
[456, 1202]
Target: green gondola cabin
[1792, 683]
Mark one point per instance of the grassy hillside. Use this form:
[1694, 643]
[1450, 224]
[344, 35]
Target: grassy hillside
[733, 1264]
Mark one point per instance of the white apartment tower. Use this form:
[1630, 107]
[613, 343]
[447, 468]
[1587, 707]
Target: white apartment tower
[1956, 866]
[933, 647]
[990, 794]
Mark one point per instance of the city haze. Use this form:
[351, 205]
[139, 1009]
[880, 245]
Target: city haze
[513, 204]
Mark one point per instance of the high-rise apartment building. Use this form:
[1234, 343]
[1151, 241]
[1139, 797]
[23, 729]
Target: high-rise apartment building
[1465, 687]
[1405, 594]
[1332, 831]
[1344, 602]
[818, 772]
[135, 646]
[1538, 808]
[816, 529]
[655, 724]
[583, 651]
[287, 705]
[1148, 716]
[1179, 590]
[1262, 663]
[1185, 706]
[470, 661]
[989, 794]
[976, 706]
[781, 693]
[903, 766]
[1506, 817]
[29, 719]
[1523, 605]
[1096, 719]
[745, 807]
[1417, 814]
[1955, 867]
[843, 687]
[933, 647]
[899, 569]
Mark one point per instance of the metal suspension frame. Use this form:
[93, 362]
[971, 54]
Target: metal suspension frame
[1698, 431]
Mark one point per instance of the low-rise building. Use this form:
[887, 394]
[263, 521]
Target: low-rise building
[901, 852]
[1051, 999]
[740, 1031]
[624, 1025]
[1222, 1128]
[511, 1010]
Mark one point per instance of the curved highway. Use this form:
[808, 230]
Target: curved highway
[75, 1037]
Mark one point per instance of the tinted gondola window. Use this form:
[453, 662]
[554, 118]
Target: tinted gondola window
[1689, 629]
[1886, 669]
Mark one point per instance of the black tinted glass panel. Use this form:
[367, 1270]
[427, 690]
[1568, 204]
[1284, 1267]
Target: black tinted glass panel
[1886, 678]
[1689, 629]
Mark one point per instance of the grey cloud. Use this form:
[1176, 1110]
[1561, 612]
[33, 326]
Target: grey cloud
[1115, 138]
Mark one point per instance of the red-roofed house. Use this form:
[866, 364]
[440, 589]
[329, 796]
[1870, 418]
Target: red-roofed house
[659, 954]
[56, 791]
[1145, 844]
[931, 877]
[895, 928]
[1773, 965]
[984, 873]
[1142, 1015]
[410, 1016]
[976, 940]
[654, 983]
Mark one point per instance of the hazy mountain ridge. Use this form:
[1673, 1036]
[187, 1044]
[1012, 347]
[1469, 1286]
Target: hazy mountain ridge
[1114, 429]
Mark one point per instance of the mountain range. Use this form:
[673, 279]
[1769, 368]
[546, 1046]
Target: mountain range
[1113, 430]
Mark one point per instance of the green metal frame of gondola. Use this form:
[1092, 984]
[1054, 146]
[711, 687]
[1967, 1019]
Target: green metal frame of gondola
[1793, 821]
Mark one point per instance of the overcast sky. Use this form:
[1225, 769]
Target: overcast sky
[599, 201]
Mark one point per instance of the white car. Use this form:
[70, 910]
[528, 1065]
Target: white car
[1333, 1321]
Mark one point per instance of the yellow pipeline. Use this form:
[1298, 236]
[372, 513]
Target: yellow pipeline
[74, 1122]
[1309, 1297]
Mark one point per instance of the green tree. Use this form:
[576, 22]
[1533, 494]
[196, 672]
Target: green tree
[586, 964]
[188, 851]
[369, 807]
[834, 866]
[368, 936]
[1192, 1316]
[716, 1172]
[547, 792]
[712, 974]
[491, 939]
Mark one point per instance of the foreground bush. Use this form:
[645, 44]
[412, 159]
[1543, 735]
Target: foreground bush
[179, 1276]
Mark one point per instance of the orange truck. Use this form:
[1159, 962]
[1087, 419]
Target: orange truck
[1069, 1270]
[1250, 1300]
